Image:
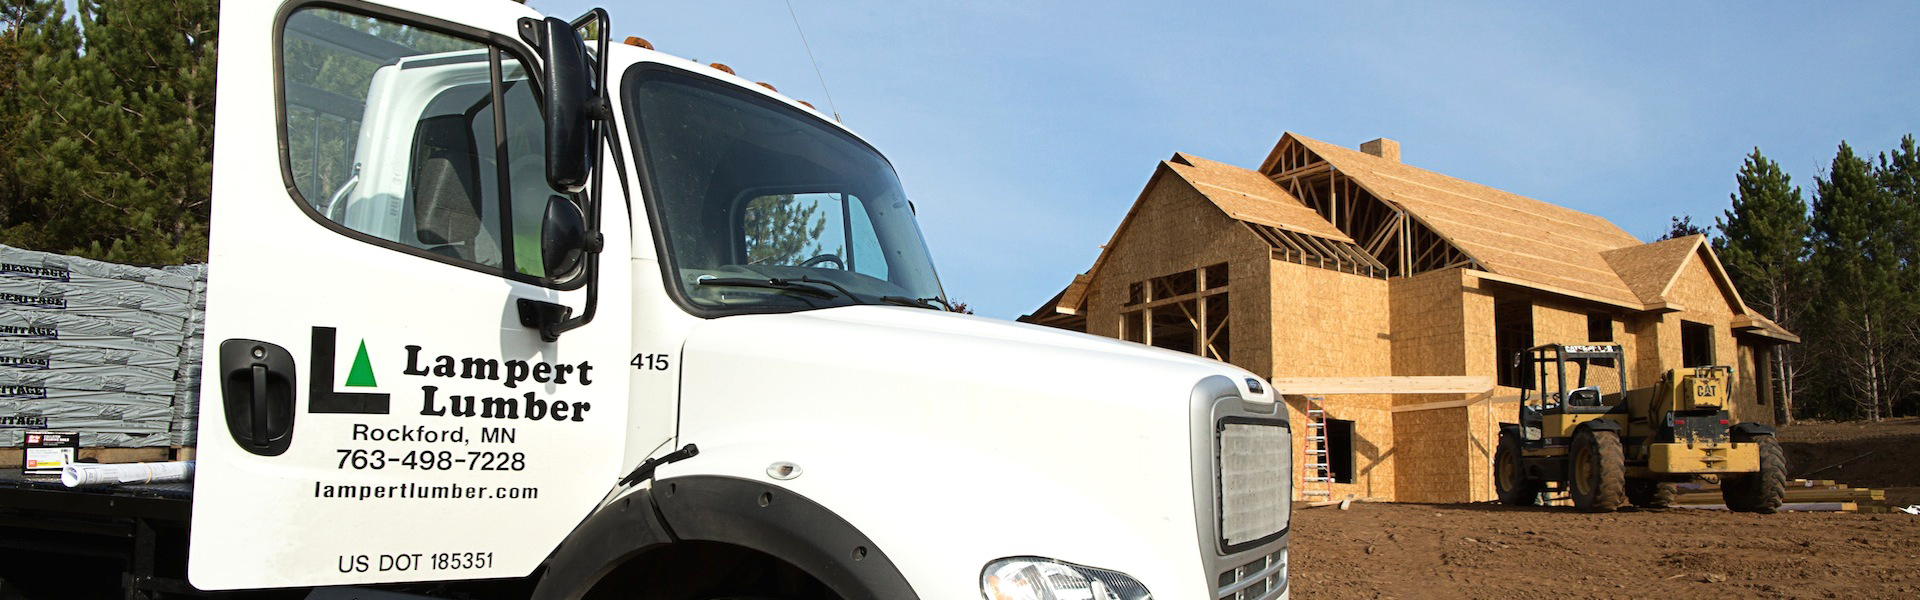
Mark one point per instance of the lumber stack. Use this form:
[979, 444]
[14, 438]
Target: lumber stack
[107, 350]
[1802, 495]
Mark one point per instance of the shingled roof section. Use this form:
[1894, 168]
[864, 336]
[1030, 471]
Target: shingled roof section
[1506, 233]
[1650, 268]
[1246, 195]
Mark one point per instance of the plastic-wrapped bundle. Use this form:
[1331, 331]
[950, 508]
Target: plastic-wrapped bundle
[30, 264]
[186, 398]
[31, 356]
[98, 348]
[186, 410]
[100, 298]
[129, 381]
[35, 326]
[88, 412]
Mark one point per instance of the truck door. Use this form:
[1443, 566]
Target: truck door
[375, 410]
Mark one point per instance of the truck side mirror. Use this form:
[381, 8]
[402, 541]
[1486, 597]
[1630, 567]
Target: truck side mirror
[571, 103]
[563, 238]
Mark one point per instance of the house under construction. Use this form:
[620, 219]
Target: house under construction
[1328, 262]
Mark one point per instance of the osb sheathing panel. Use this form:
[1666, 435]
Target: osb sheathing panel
[1176, 229]
[1430, 452]
[1374, 453]
[1648, 354]
[1429, 324]
[1746, 394]
[1441, 326]
[1326, 323]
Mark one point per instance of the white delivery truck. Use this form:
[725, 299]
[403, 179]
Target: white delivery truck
[492, 299]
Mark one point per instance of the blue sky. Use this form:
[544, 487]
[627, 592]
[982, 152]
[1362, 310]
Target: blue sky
[1024, 130]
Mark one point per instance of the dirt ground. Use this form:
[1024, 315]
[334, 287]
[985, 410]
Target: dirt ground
[1493, 551]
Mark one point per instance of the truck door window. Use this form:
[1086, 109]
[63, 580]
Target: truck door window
[390, 136]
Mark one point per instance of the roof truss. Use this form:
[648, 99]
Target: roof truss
[1394, 242]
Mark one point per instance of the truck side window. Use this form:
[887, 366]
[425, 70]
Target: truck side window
[390, 134]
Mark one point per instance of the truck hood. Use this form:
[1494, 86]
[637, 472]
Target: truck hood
[1025, 440]
[941, 323]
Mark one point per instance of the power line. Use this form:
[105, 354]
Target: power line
[816, 64]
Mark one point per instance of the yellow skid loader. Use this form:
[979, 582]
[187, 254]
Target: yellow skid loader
[1611, 448]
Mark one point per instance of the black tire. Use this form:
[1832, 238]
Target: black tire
[1597, 471]
[1510, 480]
[1649, 493]
[1762, 492]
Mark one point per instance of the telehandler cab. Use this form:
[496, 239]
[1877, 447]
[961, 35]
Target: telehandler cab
[1607, 447]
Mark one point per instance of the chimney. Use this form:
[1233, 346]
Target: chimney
[1383, 148]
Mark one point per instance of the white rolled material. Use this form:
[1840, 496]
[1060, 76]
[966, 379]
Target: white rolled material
[85, 474]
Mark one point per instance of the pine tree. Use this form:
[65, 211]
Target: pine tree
[27, 31]
[1681, 226]
[1899, 174]
[1764, 247]
[1854, 225]
[783, 230]
[116, 147]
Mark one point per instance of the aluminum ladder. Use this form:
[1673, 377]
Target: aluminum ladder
[1318, 474]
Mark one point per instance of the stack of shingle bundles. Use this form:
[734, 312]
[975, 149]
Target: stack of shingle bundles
[89, 346]
[186, 395]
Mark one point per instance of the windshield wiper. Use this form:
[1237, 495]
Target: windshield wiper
[804, 279]
[786, 285]
[918, 302]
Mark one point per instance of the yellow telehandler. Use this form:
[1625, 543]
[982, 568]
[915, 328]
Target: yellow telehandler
[1611, 449]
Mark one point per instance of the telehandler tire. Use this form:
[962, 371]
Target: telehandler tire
[1597, 472]
[1510, 478]
[1649, 493]
[1761, 492]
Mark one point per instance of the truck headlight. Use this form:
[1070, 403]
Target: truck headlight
[1034, 578]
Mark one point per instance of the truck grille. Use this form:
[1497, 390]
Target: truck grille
[1262, 579]
[1254, 464]
[1242, 489]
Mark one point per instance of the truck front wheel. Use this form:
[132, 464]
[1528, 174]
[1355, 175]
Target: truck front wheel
[1763, 491]
[1510, 479]
[1598, 473]
[1649, 493]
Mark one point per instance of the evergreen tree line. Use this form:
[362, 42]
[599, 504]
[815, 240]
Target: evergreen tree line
[1839, 272]
[106, 127]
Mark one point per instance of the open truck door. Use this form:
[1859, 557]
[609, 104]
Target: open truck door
[389, 395]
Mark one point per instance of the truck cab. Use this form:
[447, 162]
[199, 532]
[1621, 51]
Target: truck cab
[493, 298]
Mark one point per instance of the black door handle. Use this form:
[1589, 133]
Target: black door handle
[256, 388]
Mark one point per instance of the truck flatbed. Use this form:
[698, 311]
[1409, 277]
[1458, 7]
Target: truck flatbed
[140, 528]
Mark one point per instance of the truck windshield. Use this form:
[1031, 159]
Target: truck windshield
[765, 208]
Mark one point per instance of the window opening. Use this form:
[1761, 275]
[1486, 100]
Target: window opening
[1512, 333]
[1600, 330]
[1185, 311]
[1696, 344]
[1599, 327]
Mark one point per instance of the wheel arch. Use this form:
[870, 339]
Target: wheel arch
[782, 524]
[722, 512]
[1599, 425]
[1749, 430]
